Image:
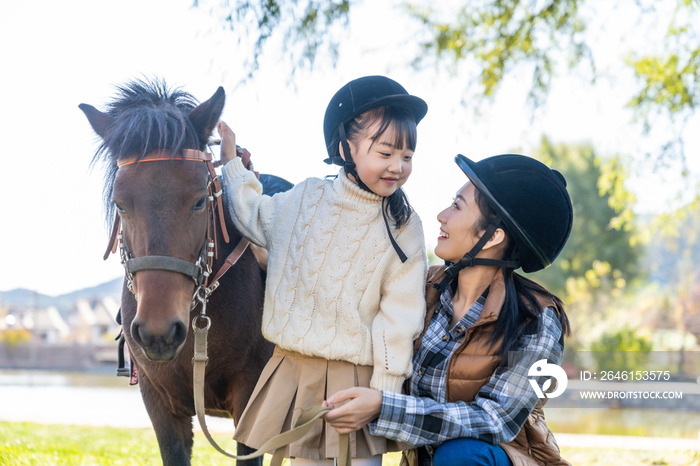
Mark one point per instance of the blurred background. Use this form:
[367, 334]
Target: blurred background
[604, 91]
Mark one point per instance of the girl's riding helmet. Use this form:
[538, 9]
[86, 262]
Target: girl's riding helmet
[363, 94]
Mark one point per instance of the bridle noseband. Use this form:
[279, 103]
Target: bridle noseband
[201, 269]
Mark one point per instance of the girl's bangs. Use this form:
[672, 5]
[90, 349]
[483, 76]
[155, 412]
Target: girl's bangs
[399, 122]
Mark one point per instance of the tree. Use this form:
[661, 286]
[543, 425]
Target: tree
[307, 27]
[674, 258]
[497, 36]
[603, 251]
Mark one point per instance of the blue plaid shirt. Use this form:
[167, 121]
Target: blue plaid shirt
[502, 405]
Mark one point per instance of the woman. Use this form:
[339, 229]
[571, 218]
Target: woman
[470, 400]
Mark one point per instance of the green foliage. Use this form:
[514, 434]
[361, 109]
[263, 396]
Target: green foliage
[500, 34]
[622, 350]
[307, 27]
[495, 36]
[671, 79]
[602, 253]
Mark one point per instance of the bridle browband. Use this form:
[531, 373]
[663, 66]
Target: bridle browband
[201, 269]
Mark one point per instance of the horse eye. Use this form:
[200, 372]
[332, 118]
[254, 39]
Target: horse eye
[200, 204]
[119, 208]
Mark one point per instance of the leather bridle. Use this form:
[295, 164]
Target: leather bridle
[201, 269]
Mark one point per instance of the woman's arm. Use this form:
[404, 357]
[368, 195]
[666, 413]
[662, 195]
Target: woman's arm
[496, 415]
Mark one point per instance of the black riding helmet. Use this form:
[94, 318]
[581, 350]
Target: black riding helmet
[532, 202]
[358, 96]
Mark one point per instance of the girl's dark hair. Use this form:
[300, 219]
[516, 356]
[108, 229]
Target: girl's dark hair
[520, 309]
[405, 135]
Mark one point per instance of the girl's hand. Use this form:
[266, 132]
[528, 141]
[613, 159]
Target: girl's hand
[228, 143]
[229, 149]
[363, 405]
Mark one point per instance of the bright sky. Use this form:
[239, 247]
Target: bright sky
[56, 55]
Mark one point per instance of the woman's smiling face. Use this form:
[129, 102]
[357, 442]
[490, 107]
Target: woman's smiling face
[457, 224]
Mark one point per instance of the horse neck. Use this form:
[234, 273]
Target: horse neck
[226, 248]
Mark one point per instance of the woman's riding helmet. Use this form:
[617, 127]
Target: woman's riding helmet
[532, 201]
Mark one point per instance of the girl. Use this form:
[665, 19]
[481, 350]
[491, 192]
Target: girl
[344, 297]
[471, 401]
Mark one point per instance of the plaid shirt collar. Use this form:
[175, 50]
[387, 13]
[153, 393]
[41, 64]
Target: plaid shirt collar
[431, 361]
[446, 306]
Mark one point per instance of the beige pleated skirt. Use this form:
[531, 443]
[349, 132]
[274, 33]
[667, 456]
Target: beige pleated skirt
[291, 380]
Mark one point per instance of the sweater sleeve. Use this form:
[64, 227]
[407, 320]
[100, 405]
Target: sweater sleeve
[401, 312]
[252, 212]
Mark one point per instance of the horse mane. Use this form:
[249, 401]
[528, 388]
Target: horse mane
[148, 116]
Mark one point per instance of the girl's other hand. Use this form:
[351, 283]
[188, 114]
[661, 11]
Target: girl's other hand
[228, 143]
[245, 158]
[361, 405]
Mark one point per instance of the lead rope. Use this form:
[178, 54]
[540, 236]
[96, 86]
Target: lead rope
[276, 444]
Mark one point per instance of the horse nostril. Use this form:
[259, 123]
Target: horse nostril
[164, 343]
[136, 332]
[179, 333]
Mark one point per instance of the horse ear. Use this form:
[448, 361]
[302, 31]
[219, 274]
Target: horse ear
[100, 122]
[207, 114]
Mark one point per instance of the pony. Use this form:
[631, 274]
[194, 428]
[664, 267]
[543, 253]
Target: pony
[162, 209]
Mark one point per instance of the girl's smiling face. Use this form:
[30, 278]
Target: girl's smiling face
[381, 165]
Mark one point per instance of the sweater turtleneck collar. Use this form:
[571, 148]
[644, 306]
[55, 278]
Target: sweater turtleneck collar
[345, 188]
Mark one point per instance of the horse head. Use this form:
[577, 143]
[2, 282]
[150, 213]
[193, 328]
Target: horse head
[162, 207]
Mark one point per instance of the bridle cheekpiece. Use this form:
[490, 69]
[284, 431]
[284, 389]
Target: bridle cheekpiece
[201, 269]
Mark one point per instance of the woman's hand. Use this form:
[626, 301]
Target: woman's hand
[363, 405]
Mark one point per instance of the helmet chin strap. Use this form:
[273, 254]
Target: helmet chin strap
[470, 260]
[349, 167]
[349, 164]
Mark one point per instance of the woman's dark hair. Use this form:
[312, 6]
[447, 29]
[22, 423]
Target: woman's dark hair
[405, 136]
[520, 309]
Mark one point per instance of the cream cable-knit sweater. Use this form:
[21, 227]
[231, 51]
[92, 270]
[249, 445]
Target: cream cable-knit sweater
[336, 288]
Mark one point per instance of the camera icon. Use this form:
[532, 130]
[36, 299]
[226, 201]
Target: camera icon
[544, 369]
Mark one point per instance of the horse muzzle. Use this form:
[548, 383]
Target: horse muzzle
[162, 312]
[162, 344]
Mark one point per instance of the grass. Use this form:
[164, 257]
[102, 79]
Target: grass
[617, 457]
[23, 443]
[28, 444]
